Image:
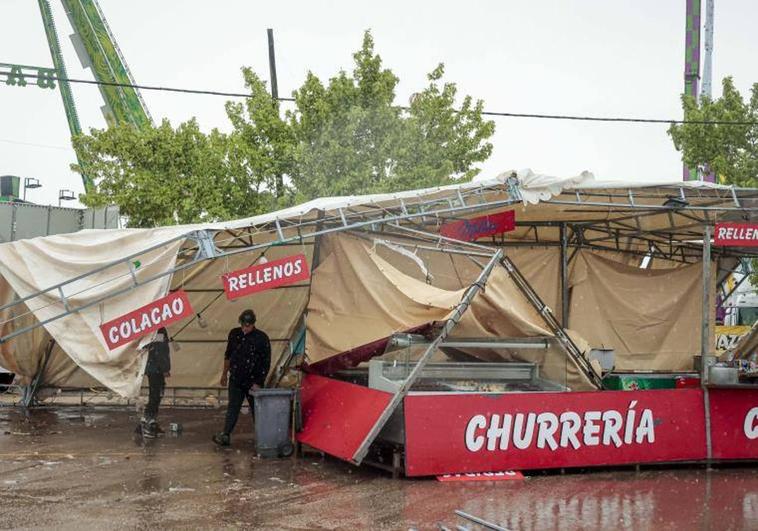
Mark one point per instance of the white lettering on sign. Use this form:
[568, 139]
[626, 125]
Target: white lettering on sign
[739, 233]
[265, 275]
[136, 325]
[750, 426]
[477, 422]
[548, 430]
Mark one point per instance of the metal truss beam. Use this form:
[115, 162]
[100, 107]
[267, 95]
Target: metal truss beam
[448, 326]
[206, 251]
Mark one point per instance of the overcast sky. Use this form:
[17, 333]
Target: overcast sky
[583, 57]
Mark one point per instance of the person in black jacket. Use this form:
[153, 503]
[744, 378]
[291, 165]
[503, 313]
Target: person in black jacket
[158, 368]
[246, 364]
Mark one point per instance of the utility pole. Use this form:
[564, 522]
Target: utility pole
[275, 96]
[708, 46]
[705, 173]
[692, 67]
[692, 64]
[272, 64]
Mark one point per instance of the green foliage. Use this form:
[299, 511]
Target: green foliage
[731, 151]
[164, 175]
[344, 137]
[352, 139]
[264, 143]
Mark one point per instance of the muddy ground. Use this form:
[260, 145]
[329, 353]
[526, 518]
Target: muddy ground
[83, 468]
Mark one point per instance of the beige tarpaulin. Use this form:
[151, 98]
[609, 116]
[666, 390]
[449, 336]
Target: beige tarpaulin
[31, 265]
[28, 266]
[200, 359]
[651, 317]
[358, 297]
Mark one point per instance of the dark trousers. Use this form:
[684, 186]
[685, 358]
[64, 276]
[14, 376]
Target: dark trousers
[157, 383]
[237, 395]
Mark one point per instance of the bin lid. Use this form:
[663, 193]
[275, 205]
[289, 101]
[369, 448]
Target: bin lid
[272, 392]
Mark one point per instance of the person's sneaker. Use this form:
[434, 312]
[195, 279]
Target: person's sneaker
[222, 439]
[150, 428]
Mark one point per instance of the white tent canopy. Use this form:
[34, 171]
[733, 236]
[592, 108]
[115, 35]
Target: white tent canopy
[98, 275]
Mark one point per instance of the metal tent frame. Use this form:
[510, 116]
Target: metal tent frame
[618, 226]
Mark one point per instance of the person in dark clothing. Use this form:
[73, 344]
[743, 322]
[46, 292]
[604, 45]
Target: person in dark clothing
[246, 364]
[158, 368]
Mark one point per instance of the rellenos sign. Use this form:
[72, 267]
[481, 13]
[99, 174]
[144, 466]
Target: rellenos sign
[265, 276]
[736, 235]
[162, 312]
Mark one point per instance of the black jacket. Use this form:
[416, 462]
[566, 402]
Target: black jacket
[249, 357]
[158, 358]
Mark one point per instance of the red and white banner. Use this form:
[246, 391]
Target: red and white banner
[464, 437]
[734, 423]
[479, 433]
[471, 229]
[736, 235]
[261, 277]
[162, 312]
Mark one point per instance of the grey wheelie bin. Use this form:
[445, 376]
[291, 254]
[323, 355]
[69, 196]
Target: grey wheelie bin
[273, 414]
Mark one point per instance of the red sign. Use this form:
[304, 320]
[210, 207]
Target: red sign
[162, 312]
[469, 230]
[734, 423]
[483, 432]
[261, 277]
[482, 476]
[736, 234]
[337, 415]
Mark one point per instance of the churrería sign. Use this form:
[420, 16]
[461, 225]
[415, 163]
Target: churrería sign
[478, 432]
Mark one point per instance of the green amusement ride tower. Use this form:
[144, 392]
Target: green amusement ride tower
[97, 49]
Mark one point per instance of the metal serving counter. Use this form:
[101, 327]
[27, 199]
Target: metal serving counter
[446, 378]
[508, 377]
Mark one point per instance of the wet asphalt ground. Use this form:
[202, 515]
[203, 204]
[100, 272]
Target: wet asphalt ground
[74, 468]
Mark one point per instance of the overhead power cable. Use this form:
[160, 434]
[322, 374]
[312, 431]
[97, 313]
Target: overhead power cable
[616, 119]
[31, 144]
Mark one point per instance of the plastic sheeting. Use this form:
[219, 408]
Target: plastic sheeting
[29, 266]
[358, 297]
[651, 317]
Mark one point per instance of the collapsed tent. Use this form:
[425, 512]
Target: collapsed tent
[576, 240]
[357, 297]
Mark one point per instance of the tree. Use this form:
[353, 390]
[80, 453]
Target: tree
[345, 137]
[164, 175]
[353, 139]
[730, 151]
[264, 142]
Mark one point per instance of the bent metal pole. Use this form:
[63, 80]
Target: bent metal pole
[454, 319]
